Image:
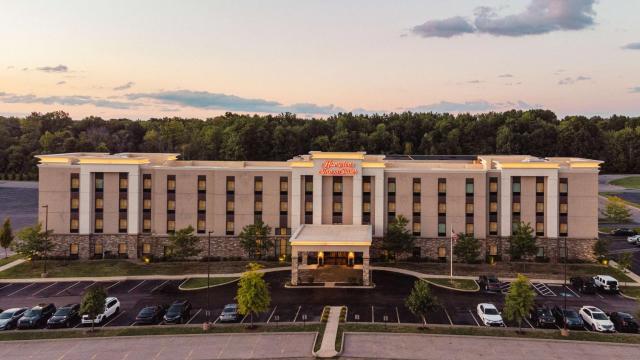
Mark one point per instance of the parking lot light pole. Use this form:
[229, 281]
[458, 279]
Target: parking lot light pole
[208, 275]
[566, 255]
[46, 238]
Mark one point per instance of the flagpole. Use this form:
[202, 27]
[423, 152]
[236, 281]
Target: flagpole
[451, 253]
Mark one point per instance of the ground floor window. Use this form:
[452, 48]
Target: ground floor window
[74, 249]
[97, 249]
[167, 251]
[146, 248]
[122, 248]
[282, 247]
[442, 252]
[493, 249]
[540, 252]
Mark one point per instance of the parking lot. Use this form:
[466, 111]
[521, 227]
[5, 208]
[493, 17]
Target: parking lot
[383, 304]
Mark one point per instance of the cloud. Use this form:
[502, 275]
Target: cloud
[61, 82]
[471, 106]
[446, 28]
[208, 100]
[539, 17]
[72, 100]
[632, 46]
[505, 76]
[124, 86]
[635, 89]
[570, 80]
[10, 67]
[474, 81]
[54, 69]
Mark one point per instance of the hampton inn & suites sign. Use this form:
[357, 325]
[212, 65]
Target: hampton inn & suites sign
[338, 168]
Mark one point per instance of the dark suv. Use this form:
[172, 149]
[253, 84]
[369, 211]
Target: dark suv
[178, 312]
[490, 283]
[624, 322]
[570, 317]
[541, 316]
[36, 317]
[585, 285]
[65, 316]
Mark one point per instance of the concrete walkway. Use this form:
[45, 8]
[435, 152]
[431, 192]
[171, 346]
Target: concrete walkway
[11, 264]
[328, 346]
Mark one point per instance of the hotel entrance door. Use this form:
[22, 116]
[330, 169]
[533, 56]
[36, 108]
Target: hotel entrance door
[336, 257]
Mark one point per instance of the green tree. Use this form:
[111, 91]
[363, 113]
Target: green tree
[93, 303]
[253, 292]
[398, 238]
[624, 262]
[184, 243]
[420, 301]
[467, 248]
[523, 243]
[6, 235]
[519, 300]
[616, 211]
[255, 241]
[601, 249]
[32, 241]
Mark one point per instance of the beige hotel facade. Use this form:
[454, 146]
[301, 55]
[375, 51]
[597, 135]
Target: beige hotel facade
[324, 207]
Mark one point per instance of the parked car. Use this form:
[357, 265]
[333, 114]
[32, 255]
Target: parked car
[606, 283]
[229, 313]
[633, 239]
[541, 316]
[111, 307]
[570, 317]
[150, 315]
[36, 317]
[489, 283]
[624, 322]
[65, 316]
[9, 318]
[596, 319]
[489, 315]
[583, 284]
[623, 232]
[178, 313]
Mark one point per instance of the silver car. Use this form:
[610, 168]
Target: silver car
[229, 313]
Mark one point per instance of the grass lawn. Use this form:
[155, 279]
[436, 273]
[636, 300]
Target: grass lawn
[610, 195]
[97, 268]
[151, 330]
[461, 284]
[500, 332]
[6, 260]
[631, 291]
[199, 283]
[629, 182]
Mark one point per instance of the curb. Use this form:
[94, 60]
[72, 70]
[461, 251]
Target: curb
[203, 287]
[450, 288]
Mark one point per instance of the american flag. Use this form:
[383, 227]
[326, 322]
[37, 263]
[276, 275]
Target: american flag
[454, 236]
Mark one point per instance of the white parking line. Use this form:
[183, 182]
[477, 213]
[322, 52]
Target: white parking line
[159, 286]
[601, 297]
[86, 287]
[194, 315]
[112, 285]
[6, 286]
[113, 318]
[273, 312]
[447, 313]
[372, 316]
[398, 315]
[217, 320]
[43, 289]
[573, 292]
[528, 323]
[133, 324]
[133, 288]
[474, 318]
[244, 318]
[297, 312]
[22, 288]
[65, 289]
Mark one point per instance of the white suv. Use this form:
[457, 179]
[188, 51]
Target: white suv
[606, 283]
[489, 315]
[596, 319]
[635, 239]
[111, 307]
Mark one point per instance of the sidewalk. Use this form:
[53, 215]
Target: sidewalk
[11, 264]
[328, 346]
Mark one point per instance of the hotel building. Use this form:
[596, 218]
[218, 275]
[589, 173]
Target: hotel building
[324, 207]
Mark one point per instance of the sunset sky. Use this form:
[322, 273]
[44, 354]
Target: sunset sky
[142, 59]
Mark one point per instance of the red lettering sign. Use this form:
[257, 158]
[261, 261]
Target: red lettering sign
[338, 168]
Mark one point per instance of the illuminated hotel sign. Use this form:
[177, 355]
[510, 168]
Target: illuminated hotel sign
[338, 168]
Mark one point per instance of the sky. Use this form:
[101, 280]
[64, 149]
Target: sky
[189, 58]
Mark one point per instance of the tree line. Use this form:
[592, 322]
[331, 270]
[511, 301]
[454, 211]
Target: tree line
[616, 139]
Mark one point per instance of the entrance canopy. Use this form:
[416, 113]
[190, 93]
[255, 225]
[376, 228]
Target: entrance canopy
[332, 235]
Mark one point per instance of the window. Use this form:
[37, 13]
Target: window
[442, 208]
[442, 229]
[493, 186]
[539, 228]
[391, 187]
[201, 225]
[146, 204]
[231, 183]
[468, 229]
[391, 207]
[122, 248]
[99, 184]
[202, 184]
[284, 206]
[493, 249]
[146, 183]
[564, 229]
[337, 186]
[416, 187]
[442, 186]
[284, 185]
[75, 204]
[366, 207]
[257, 206]
[171, 225]
[540, 187]
[540, 207]
[171, 204]
[202, 205]
[416, 228]
[75, 182]
[230, 205]
[442, 252]
[515, 187]
[564, 187]
[564, 208]
[75, 224]
[146, 248]
[469, 209]
[167, 250]
[97, 249]
[308, 206]
[416, 207]
[540, 252]
[515, 207]
[308, 186]
[493, 206]
[171, 184]
[123, 204]
[123, 183]
[98, 225]
[257, 185]
[469, 188]
[99, 203]
[122, 224]
[366, 187]
[337, 207]
[74, 249]
[493, 227]
[146, 225]
[229, 227]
